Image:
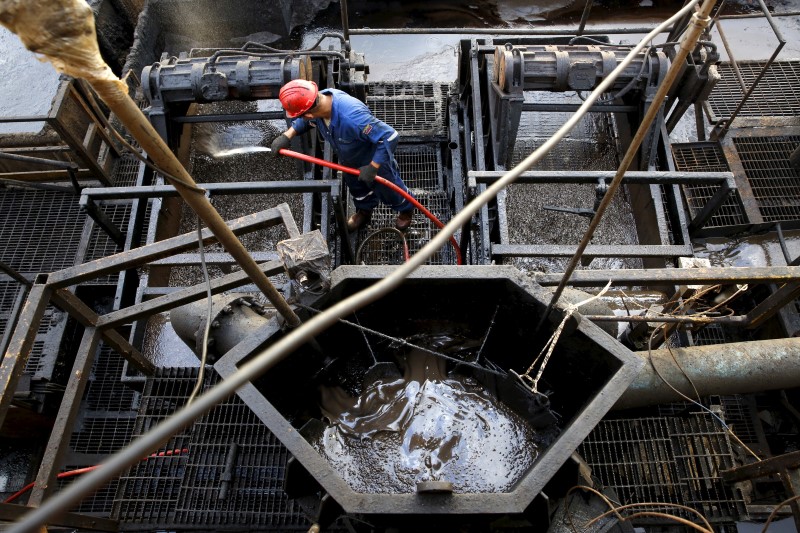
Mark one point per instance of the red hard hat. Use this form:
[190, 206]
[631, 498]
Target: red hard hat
[298, 96]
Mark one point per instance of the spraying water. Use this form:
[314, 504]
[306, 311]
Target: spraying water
[425, 426]
[239, 151]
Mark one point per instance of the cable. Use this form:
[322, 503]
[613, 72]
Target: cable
[311, 48]
[380, 180]
[682, 395]
[775, 511]
[615, 509]
[71, 473]
[409, 344]
[204, 349]
[295, 338]
[378, 232]
[132, 149]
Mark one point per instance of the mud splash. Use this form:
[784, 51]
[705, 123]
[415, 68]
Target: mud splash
[424, 426]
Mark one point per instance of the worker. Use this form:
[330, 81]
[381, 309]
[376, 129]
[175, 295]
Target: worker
[360, 140]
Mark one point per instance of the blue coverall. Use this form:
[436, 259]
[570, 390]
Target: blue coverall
[358, 138]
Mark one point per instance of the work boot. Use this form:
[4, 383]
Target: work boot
[358, 220]
[404, 219]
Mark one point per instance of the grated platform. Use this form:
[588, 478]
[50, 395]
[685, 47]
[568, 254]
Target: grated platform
[775, 184]
[707, 157]
[666, 460]
[41, 230]
[411, 108]
[421, 170]
[777, 94]
[186, 491]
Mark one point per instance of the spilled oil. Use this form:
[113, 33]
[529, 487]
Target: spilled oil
[424, 425]
[749, 251]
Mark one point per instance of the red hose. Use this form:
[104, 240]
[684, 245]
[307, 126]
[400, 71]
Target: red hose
[71, 473]
[382, 181]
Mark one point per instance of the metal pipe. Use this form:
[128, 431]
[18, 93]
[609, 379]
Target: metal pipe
[345, 21]
[263, 361]
[698, 23]
[759, 15]
[39, 161]
[502, 31]
[732, 59]
[734, 368]
[81, 61]
[584, 16]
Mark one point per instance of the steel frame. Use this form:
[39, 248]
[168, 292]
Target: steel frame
[492, 218]
[722, 125]
[87, 146]
[478, 181]
[785, 279]
[750, 203]
[91, 196]
[520, 496]
[53, 288]
[785, 466]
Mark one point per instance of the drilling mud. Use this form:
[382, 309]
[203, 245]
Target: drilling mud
[422, 426]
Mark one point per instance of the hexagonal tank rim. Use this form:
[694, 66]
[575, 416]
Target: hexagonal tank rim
[526, 489]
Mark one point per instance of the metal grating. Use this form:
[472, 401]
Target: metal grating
[97, 503]
[701, 451]
[108, 414]
[711, 334]
[102, 435]
[187, 490]
[421, 169]
[666, 460]
[410, 108]
[740, 418]
[41, 229]
[100, 244]
[148, 492]
[105, 391]
[9, 290]
[775, 184]
[777, 94]
[707, 157]
[126, 170]
[254, 495]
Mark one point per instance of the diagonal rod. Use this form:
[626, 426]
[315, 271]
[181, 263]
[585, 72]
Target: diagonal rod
[699, 21]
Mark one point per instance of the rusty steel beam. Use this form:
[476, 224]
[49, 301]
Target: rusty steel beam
[65, 420]
[772, 304]
[766, 467]
[146, 254]
[182, 297]
[674, 276]
[19, 348]
[784, 465]
[88, 318]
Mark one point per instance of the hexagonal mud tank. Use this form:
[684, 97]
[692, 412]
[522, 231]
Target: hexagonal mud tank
[586, 374]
